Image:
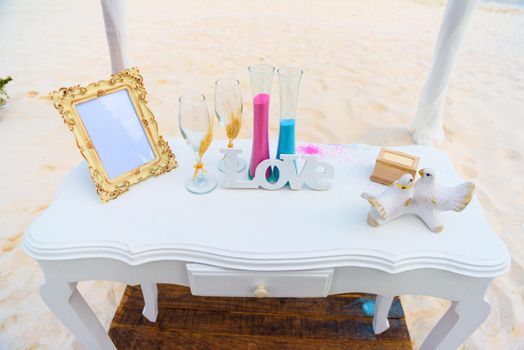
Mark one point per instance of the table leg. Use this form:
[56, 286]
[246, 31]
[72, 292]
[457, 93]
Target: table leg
[457, 324]
[72, 310]
[380, 318]
[150, 294]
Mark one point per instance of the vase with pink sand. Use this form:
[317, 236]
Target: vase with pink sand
[261, 76]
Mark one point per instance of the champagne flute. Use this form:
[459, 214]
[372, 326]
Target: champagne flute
[197, 130]
[228, 109]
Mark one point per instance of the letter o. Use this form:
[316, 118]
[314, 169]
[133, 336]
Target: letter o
[260, 175]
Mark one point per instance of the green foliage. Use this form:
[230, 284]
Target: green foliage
[3, 95]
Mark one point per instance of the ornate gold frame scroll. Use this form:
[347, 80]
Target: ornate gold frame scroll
[65, 101]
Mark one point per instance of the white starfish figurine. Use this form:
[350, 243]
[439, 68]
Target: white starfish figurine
[425, 199]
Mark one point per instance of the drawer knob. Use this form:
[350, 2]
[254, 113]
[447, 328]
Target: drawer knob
[261, 291]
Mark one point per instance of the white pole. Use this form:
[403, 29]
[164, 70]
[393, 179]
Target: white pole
[115, 31]
[426, 126]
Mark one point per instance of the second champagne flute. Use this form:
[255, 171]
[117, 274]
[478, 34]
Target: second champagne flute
[228, 108]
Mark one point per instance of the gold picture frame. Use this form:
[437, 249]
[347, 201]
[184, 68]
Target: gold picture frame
[160, 157]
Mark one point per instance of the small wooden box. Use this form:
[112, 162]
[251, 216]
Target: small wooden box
[391, 165]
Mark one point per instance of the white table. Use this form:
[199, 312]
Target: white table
[263, 243]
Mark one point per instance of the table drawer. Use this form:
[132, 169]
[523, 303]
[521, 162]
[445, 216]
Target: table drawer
[214, 281]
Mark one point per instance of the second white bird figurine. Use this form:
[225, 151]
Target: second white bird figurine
[424, 199]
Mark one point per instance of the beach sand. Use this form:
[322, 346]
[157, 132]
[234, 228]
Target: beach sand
[365, 63]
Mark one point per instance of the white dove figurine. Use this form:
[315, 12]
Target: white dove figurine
[391, 203]
[430, 198]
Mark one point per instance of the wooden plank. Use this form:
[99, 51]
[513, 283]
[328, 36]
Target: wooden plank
[189, 322]
[346, 305]
[204, 321]
[177, 340]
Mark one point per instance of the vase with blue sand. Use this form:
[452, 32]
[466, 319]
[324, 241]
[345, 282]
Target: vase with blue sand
[289, 83]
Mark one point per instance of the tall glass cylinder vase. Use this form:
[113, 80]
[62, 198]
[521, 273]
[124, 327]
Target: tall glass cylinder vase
[261, 76]
[289, 84]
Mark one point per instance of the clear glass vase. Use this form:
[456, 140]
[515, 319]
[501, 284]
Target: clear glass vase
[289, 84]
[261, 76]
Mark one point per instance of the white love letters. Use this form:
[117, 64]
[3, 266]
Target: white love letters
[313, 173]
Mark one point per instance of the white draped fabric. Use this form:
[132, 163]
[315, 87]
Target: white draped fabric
[116, 33]
[427, 124]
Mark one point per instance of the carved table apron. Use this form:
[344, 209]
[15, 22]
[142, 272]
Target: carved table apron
[264, 243]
